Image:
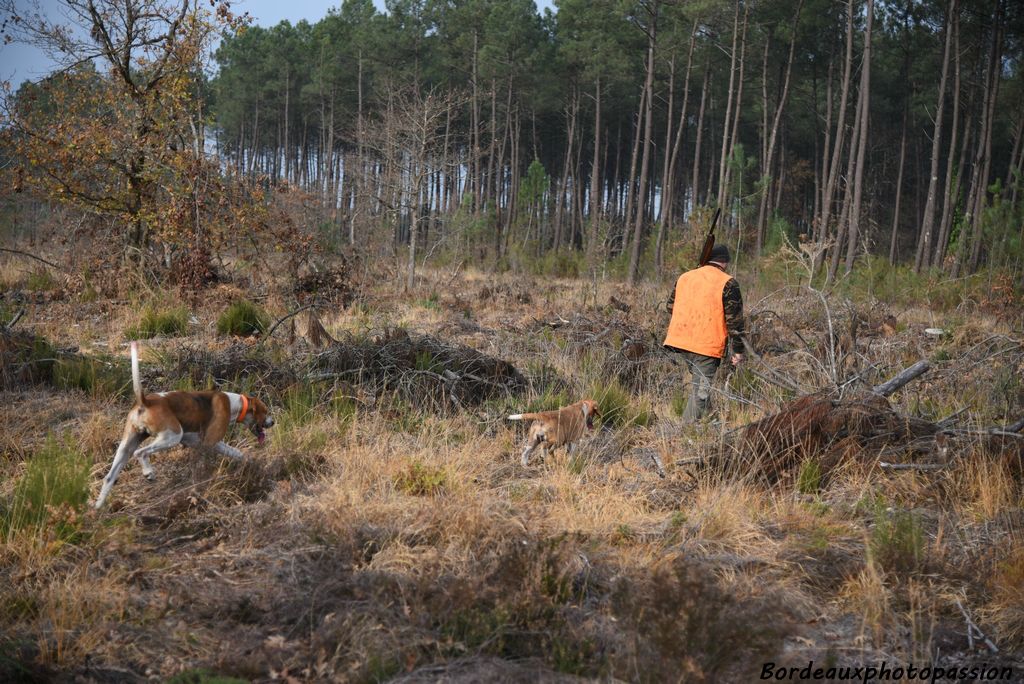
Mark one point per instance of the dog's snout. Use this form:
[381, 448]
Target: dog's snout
[269, 422]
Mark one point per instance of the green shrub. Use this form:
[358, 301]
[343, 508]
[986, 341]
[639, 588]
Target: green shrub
[617, 409]
[431, 302]
[422, 480]
[548, 400]
[564, 263]
[40, 280]
[897, 538]
[155, 320]
[808, 481]
[679, 400]
[97, 377]
[243, 318]
[53, 489]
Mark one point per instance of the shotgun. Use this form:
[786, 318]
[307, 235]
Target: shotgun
[709, 241]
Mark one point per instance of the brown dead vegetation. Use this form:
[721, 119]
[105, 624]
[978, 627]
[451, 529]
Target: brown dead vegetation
[425, 372]
[388, 532]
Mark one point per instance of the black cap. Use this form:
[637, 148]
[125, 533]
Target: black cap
[719, 253]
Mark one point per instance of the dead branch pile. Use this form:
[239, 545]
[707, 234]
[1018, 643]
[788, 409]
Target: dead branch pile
[419, 369]
[334, 285]
[25, 359]
[627, 348]
[833, 432]
[517, 293]
[230, 366]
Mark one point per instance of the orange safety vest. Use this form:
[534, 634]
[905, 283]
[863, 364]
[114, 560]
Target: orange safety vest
[698, 315]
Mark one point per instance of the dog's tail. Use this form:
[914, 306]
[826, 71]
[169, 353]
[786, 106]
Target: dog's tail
[136, 378]
[522, 416]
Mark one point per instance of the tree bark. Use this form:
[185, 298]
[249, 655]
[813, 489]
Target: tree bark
[695, 176]
[837, 144]
[899, 189]
[993, 94]
[595, 175]
[865, 101]
[948, 191]
[668, 184]
[728, 106]
[634, 259]
[769, 153]
[571, 113]
[925, 243]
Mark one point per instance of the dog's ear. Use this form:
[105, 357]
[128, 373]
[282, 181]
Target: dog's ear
[260, 413]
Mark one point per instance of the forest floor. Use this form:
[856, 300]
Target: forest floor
[387, 530]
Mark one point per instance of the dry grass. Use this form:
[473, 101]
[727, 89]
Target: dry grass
[376, 536]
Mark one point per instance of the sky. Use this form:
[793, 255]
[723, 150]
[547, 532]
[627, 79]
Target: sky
[19, 63]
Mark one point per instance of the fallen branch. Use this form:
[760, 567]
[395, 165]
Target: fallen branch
[283, 319]
[973, 631]
[911, 466]
[33, 256]
[14, 321]
[904, 377]
[1013, 427]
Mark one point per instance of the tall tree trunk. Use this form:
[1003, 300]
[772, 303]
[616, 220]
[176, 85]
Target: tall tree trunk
[769, 152]
[668, 184]
[838, 143]
[476, 175]
[842, 223]
[728, 106]
[979, 172]
[818, 231]
[634, 258]
[695, 176]
[950, 191]
[927, 224]
[735, 133]
[363, 170]
[571, 112]
[595, 175]
[633, 162]
[864, 98]
[993, 94]
[899, 189]
[489, 181]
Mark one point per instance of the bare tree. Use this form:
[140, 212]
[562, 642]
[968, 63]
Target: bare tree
[409, 139]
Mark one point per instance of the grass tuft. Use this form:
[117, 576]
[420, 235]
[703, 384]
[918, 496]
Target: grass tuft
[51, 493]
[159, 321]
[617, 407]
[419, 479]
[243, 319]
[97, 377]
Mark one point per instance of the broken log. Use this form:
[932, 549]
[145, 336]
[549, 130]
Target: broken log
[911, 466]
[1015, 427]
[902, 378]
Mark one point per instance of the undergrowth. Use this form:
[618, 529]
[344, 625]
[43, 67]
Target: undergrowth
[156, 320]
[243, 319]
[50, 494]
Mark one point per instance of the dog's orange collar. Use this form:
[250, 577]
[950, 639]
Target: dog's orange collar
[245, 407]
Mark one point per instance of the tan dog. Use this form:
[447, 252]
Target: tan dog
[187, 418]
[558, 428]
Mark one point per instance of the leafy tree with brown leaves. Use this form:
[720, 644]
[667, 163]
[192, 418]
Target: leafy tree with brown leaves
[118, 129]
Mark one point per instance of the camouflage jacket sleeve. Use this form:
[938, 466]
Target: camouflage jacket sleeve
[732, 302]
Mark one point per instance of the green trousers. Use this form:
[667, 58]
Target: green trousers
[702, 372]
